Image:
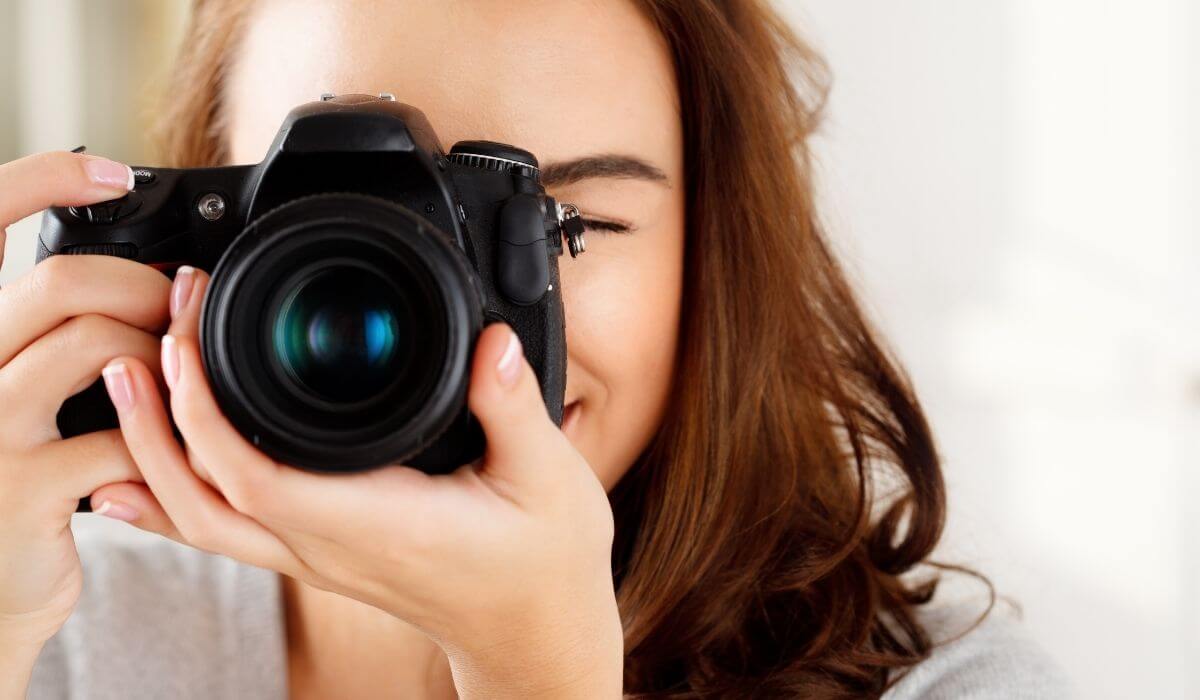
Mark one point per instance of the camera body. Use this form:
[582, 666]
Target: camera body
[352, 271]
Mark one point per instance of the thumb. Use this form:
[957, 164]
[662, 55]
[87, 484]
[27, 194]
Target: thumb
[506, 398]
[135, 504]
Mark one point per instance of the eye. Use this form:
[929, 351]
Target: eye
[605, 225]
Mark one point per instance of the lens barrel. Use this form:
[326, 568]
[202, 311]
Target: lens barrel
[337, 331]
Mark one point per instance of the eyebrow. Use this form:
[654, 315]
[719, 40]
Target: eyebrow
[602, 166]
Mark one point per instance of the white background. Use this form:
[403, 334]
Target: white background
[1013, 184]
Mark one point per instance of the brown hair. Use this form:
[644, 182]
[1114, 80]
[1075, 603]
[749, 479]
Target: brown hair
[756, 553]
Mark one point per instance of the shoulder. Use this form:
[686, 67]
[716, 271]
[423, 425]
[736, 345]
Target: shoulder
[997, 659]
[167, 619]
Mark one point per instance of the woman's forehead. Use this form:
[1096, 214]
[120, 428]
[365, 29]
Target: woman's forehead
[559, 77]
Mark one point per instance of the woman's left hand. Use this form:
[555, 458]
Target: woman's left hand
[504, 563]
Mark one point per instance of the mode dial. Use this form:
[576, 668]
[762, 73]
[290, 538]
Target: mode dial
[499, 157]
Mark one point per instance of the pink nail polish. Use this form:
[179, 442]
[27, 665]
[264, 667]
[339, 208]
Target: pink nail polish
[509, 366]
[120, 388]
[117, 511]
[108, 173]
[170, 361]
[181, 290]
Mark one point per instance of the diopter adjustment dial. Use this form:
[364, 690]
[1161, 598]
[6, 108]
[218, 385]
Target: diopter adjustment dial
[496, 157]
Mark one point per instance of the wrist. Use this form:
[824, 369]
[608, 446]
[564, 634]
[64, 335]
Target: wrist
[16, 666]
[584, 660]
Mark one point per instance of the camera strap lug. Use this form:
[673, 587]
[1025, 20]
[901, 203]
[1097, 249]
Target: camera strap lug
[570, 222]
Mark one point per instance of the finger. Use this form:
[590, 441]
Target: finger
[65, 286]
[249, 480]
[74, 468]
[199, 513]
[284, 497]
[291, 502]
[506, 398]
[63, 363]
[198, 466]
[58, 178]
[135, 503]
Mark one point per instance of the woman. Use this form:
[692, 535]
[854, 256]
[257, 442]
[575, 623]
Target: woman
[741, 490]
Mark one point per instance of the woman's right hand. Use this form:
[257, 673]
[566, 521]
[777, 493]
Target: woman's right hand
[59, 325]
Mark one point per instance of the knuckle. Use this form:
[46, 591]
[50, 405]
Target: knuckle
[183, 408]
[96, 334]
[62, 168]
[50, 276]
[245, 497]
[56, 165]
[238, 496]
[190, 533]
[198, 530]
[59, 162]
[91, 328]
[420, 543]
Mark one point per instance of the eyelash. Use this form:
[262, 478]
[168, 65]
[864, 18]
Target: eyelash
[605, 227]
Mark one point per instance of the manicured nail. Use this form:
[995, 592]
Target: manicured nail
[108, 173]
[509, 366]
[120, 388]
[181, 290]
[117, 511]
[170, 361]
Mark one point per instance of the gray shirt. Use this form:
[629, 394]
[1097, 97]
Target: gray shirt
[160, 620]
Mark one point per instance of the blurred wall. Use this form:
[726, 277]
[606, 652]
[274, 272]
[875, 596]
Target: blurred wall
[1013, 186]
[8, 80]
[85, 72]
[81, 72]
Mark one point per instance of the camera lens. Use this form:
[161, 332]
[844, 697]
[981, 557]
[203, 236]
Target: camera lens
[337, 330]
[344, 334]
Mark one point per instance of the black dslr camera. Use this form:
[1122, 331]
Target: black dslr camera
[352, 271]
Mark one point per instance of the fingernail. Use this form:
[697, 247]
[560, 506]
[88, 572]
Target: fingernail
[509, 366]
[181, 290]
[170, 361]
[108, 173]
[117, 511]
[120, 389]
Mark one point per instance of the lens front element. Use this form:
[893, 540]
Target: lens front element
[344, 334]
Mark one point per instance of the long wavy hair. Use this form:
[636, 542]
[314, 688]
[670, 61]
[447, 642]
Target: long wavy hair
[766, 537]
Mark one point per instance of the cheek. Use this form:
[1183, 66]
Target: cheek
[622, 306]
